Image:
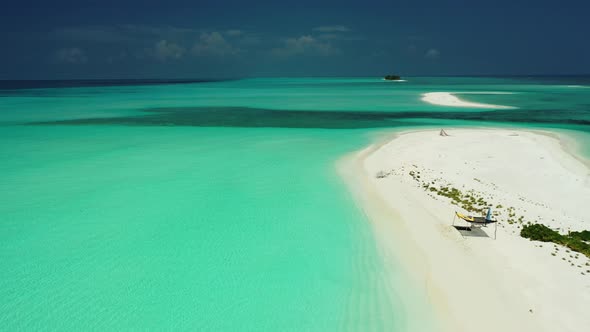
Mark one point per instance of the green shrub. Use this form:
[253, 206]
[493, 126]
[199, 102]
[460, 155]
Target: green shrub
[583, 235]
[540, 232]
[578, 245]
[574, 240]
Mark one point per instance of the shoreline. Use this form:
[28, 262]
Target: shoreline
[450, 99]
[458, 273]
[378, 213]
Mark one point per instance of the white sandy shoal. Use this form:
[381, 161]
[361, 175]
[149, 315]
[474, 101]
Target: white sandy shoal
[481, 284]
[449, 99]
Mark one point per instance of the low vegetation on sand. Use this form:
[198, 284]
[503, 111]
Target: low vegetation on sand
[576, 241]
[472, 201]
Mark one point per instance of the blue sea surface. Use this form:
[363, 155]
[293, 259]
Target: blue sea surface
[215, 205]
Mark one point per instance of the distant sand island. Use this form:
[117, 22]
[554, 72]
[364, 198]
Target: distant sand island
[449, 99]
[410, 187]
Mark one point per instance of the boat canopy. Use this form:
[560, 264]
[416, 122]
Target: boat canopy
[475, 220]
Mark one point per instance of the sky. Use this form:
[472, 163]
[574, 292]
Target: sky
[64, 39]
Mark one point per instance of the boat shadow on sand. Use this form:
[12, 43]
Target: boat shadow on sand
[467, 231]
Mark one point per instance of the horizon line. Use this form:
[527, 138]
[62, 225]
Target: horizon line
[206, 79]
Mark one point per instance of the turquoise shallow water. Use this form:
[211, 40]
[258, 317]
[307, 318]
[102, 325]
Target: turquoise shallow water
[215, 206]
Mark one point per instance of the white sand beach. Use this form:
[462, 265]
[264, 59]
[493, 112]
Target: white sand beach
[449, 99]
[481, 283]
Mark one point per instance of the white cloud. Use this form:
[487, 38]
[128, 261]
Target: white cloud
[250, 39]
[331, 28]
[213, 44]
[72, 55]
[432, 53]
[241, 37]
[305, 45]
[164, 43]
[328, 36]
[234, 32]
[165, 50]
[126, 33]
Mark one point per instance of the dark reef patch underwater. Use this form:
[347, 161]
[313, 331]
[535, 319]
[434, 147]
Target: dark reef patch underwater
[260, 118]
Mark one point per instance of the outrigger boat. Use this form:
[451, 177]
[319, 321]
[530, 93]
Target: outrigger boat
[477, 221]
